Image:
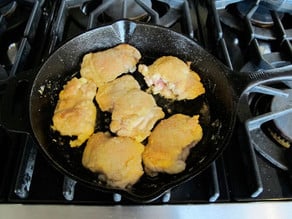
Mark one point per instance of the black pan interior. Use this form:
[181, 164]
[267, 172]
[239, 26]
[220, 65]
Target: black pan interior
[216, 107]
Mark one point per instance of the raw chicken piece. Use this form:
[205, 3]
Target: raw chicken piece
[169, 144]
[75, 113]
[135, 114]
[118, 159]
[110, 92]
[172, 78]
[105, 66]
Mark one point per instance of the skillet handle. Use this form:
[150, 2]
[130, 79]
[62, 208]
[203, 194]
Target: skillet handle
[14, 99]
[245, 83]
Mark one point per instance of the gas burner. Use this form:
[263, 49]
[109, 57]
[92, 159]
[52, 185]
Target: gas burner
[13, 20]
[90, 14]
[283, 123]
[264, 135]
[235, 15]
[276, 135]
[114, 9]
[129, 9]
[261, 17]
[279, 129]
[109, 11]
[273, 129]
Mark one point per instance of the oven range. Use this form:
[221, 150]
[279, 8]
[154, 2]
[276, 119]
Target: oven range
[246, 36]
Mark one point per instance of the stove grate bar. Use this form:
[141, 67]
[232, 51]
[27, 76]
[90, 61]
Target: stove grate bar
[98, 11]
[68, 188]
[255, 185]
[23, 52]
[220, 36]
[214, 188]
[153, 14]
[25, 173]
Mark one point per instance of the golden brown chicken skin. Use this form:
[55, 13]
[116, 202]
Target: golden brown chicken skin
[75, 113]
[172, 78]
[110, 92]
[105, 66]
[117, 159]
[169, 144]
[135, 114]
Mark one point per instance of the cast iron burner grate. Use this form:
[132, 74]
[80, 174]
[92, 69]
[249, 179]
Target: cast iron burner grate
[242, 44]
[268, 48]
[77, 16]
[262, 128]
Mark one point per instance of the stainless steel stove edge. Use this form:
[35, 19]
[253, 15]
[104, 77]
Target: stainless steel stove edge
[273, 209]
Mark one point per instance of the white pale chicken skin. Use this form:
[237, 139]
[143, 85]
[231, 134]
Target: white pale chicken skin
[169, 144]
[135, 114]
[75, 112]
[117, 159]
[172, 78]
[105, 66]
[110, 92]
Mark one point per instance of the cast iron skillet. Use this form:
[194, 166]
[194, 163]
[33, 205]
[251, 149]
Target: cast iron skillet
[218, 107]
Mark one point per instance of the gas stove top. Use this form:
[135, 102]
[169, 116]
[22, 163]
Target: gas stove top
[247, 36]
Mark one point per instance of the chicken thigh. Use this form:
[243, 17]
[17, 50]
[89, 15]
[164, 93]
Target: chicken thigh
[110, 92]
[75, 113]
[117, 159]
[105, 66]
[172, 78]
[135, 114]
[169, 144]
